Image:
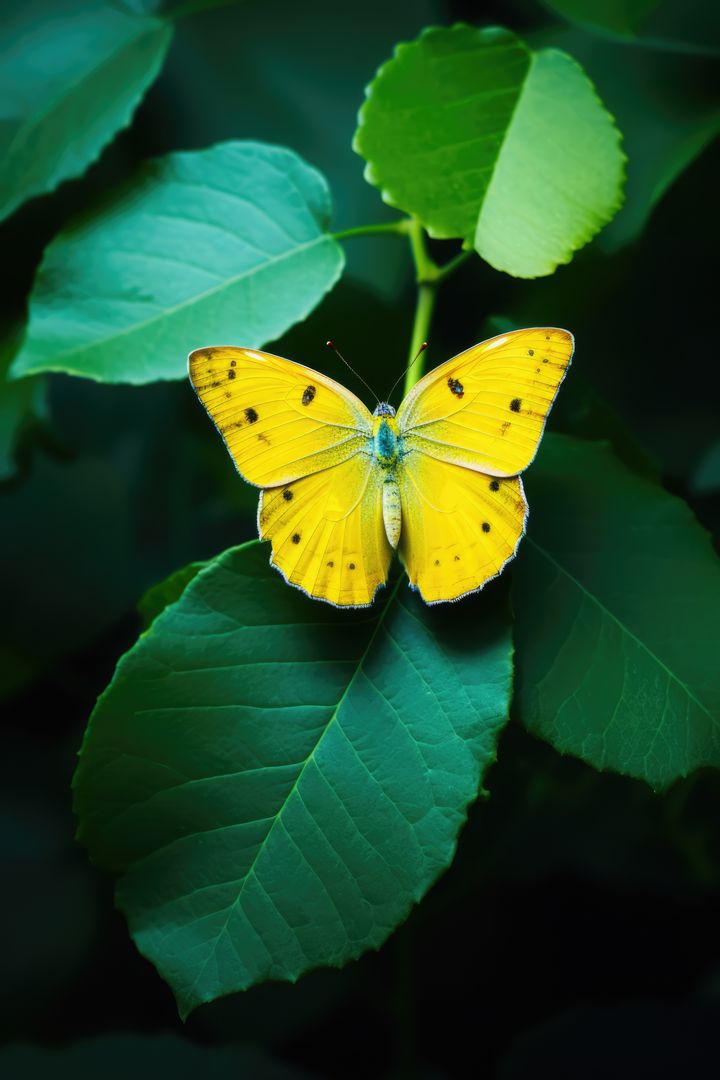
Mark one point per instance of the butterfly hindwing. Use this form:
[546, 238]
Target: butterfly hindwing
[486, 408]
[327, 532]
[280, 420]
[459, 526]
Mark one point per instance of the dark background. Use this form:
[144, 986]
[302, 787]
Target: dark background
[576, 932]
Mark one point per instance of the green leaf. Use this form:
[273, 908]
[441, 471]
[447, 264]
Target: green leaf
[220, 246]
[689, 26]
[278, 781]
[71, 76]
[157, 597]
[484, 140]
[616, 599]
[20, 402]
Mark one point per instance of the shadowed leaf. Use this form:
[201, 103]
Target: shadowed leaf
[616, 599]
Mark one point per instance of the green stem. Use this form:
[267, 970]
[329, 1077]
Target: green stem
[396, 228]
[423, 317]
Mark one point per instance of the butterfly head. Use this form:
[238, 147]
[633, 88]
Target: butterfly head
[383, 409]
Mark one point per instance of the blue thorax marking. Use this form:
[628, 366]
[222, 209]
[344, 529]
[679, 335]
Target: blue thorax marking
[383, 409]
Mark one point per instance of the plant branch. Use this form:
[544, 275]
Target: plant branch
[395, 228]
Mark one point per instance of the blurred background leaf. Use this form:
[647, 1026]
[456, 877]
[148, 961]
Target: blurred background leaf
[63, 103]
[121, 1055]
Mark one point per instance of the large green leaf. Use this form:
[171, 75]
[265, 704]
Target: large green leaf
[220, 246]
[72, 73]
[617, 600]
[276, 780]
[484, 140]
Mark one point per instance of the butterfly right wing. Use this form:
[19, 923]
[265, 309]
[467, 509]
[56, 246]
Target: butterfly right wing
[459, 526]
[327, 532]
[279, 420]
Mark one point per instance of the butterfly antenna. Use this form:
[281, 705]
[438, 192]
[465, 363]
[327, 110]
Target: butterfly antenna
[357, 375]
[420, 351]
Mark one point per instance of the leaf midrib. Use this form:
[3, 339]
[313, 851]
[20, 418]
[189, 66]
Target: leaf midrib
[168, 313]
[251, 871]
[626, 629]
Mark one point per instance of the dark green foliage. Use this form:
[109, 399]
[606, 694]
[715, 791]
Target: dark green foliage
[275, 784]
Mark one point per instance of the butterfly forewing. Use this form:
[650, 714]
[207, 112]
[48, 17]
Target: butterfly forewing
[486, 408]
[279, 420]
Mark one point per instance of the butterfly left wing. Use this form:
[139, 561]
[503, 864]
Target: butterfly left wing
[486, 408]
[327, 532]
[459, 526]
[279, 420]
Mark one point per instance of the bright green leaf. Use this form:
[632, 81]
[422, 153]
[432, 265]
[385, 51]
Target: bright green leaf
[226, 246]
[63, 103]
[616, 594]
[484, 140]
[278, 781]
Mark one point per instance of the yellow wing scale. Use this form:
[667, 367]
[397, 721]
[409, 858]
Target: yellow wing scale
[486, 408]
[460, 527]
[466, 431]
[279, 420]
[327, 532]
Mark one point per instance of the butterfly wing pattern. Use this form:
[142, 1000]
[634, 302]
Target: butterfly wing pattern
[340, 486]
[307, 441]
[468, 429]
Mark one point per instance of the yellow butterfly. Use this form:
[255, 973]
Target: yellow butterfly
[342, 489]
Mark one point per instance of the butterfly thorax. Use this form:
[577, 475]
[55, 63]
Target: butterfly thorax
[385, 437]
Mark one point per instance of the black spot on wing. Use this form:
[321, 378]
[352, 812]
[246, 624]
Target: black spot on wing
[231, 374]
[494, 485]
[330, 564]
[287, 495]
[437, 562]
[308, 395]
[456, 387]
[233, 363]
[457, 558]
[531, 352]
[515, 404]
[296, 538]
[351, 566]
[251, 416]
[485, 527]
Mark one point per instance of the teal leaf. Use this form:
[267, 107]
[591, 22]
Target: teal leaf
[277, 781]
[71, 76]
[225, 246]
[482, 139]
[617, 618]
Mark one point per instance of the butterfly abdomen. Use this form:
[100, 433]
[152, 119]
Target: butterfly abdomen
[392, 514]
